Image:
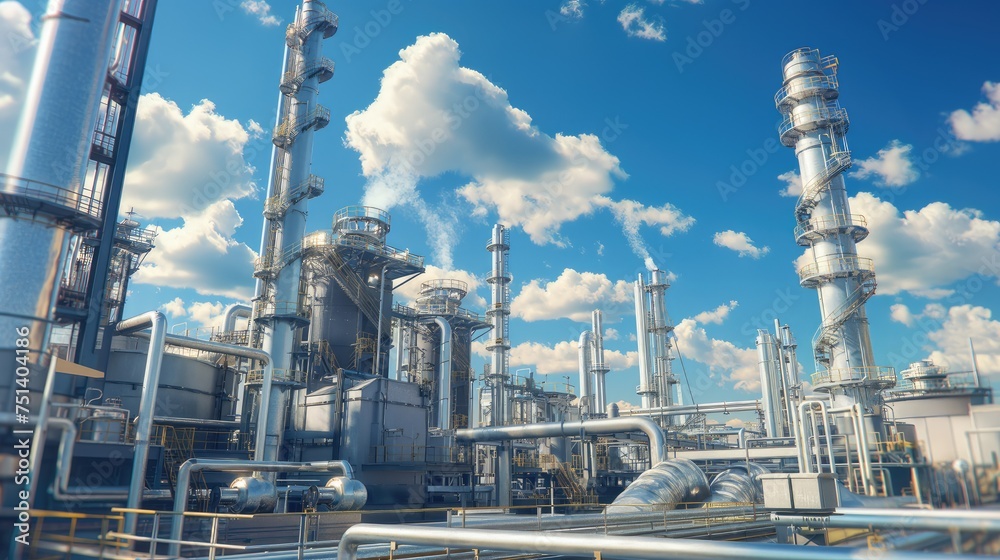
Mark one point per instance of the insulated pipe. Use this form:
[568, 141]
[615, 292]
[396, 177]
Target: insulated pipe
[626, 548]
[864, 518]
[147, 403]
[738, 484]
[707, 408]
[863, 452]
[234, 312]
[586, 399]
[67, 442]
[657, 441]
[662, 487]
[803, 444]
[268, 438]
[192, 466]
[444, 375]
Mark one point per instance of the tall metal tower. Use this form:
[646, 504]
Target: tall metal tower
[499, 315]
[279, 308]
[656, 379]
[598, 366]
[816, 126]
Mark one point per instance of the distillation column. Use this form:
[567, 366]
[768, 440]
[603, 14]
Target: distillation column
[816, 126]
[499, 316]
[279, 309]
[598, 365]
[656, 380]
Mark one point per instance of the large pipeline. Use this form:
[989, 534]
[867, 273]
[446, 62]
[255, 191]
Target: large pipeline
[657, 441]
[662, 487]
[625, 548]
[738, 484]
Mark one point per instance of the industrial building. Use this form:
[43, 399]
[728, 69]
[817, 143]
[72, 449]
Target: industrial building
[338, 422]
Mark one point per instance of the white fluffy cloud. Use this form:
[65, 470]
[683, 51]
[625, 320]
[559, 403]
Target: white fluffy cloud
[560, 358]
[17, 49]
[411, 290]
[900, 313]
[207, 314]
[261, 10]
[891, 167]
[611, 334]
[717, 315]
[573, 295]
[432, 116]
[793, 184]
[631, 215]
[952, 340]
[739, 242]
[983, 124]
[572, 8]
[202, 255]
[635, 23]
[726, 362]
[174, 308]
[180, 164]
[924, 251]
[947, 331]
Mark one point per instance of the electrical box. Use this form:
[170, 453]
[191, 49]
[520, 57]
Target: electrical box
[799, 491]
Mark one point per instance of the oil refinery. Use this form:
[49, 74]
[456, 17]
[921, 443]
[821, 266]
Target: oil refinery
[330, 418]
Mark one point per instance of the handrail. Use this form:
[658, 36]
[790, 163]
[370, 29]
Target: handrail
[830, 222]
[44, 192]
[837, 265]
[879, 374]
[818, 115]
[802, 85]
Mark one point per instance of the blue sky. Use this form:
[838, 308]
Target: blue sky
[670, 106]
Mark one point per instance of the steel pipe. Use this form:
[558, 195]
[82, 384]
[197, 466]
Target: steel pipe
[918, 519]
[266, 440]
[147, 403]
[657, 441]
[444, 374]
[626, 548]
[192, 466]
[235, 312]
[707, 408]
